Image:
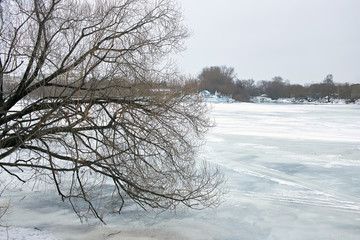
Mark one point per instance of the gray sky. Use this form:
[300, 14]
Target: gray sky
[299, 40]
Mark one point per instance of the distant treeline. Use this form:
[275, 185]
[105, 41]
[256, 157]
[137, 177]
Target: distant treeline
[223, 79]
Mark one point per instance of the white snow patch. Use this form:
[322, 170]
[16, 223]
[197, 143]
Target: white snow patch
[18, 233]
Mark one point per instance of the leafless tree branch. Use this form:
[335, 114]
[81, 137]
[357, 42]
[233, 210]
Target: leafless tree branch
[87, 113]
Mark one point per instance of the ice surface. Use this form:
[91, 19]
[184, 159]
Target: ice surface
[292, 170]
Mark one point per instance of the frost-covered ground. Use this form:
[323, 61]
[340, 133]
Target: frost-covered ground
[293, 173]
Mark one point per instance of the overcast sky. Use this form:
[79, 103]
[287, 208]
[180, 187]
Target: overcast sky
[299, 40]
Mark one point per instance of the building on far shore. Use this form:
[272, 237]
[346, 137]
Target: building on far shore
[206, 96]
[263, 98]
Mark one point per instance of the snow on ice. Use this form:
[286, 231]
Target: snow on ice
[292, 170]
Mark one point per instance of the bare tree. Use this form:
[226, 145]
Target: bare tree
[218, 79]
[85, 112]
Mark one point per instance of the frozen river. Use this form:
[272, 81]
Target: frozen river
[293, 173]
[293, 170]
